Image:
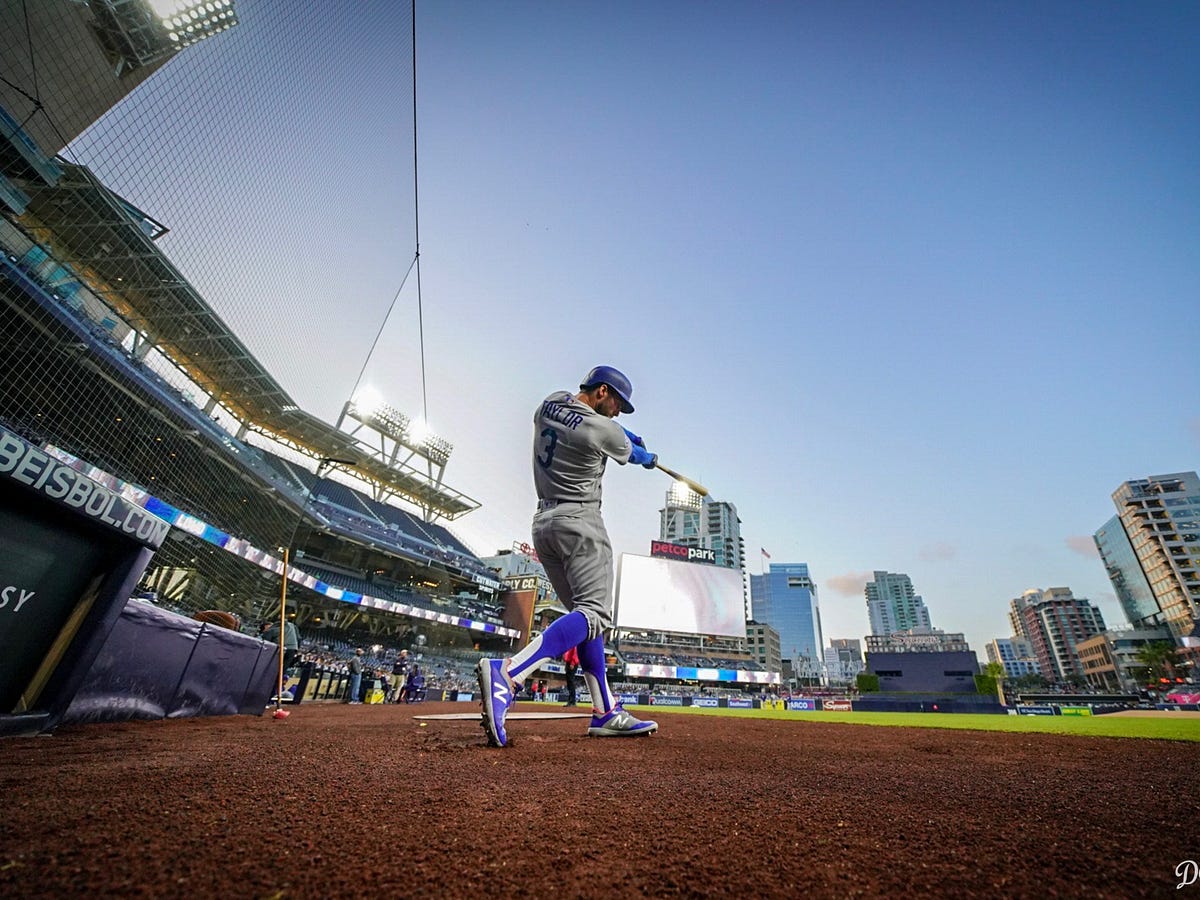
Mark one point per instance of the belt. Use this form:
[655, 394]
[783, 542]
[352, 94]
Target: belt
[544, 505]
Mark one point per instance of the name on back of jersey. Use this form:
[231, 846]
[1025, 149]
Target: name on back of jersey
[556, 412]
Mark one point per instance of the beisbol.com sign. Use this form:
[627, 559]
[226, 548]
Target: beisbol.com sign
[25, 463]
[676, 551]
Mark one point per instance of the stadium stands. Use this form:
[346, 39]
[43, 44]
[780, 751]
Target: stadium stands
[117, 363]
[148, 434]
[329, 491]
[301, 478]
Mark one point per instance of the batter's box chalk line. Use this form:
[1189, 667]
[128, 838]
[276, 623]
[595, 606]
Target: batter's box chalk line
[448, 717]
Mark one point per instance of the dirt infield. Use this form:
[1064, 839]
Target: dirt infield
[366, 801]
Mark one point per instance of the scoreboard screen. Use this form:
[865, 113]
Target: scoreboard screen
[657, 594]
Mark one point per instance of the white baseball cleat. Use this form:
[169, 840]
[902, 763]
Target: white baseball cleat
[619, 723]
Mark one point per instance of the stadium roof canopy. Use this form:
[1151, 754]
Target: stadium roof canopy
[110, 244]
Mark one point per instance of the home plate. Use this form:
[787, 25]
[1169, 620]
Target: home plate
[511, 716]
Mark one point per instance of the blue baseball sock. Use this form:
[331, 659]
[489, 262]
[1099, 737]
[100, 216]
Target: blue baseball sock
[563, 634]
[595, 673]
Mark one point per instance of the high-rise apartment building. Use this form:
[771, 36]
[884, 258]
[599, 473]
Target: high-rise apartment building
[1055, 622]
[785, 598]
[1015, 654]
[893, 605]
[1152, 551]
[690, 520]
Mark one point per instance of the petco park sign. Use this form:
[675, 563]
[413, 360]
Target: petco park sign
[675, 551]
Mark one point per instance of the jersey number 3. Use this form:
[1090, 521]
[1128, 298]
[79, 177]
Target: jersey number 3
[551, 437]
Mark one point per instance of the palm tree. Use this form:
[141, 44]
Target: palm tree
[996, 672]
[1159, 659]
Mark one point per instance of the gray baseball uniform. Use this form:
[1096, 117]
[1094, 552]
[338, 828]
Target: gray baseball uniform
[572, 444]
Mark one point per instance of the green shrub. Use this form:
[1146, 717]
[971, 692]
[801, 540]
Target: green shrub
[867, 683]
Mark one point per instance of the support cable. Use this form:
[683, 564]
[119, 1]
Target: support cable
[417, 219]
[416, 260]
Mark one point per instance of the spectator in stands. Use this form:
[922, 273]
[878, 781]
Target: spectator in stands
[571, 661]
[574, 438]
[356, 673]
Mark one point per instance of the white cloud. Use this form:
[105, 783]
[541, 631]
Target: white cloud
[1083, 545]
[849, 585]
[938, 552]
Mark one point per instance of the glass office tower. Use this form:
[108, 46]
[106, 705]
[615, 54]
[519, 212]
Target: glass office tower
[786, 599]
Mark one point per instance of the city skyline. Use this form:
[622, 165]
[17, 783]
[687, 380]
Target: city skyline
[871, 271]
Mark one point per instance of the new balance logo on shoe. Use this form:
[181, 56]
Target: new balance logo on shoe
[495, 696]
[619, 723]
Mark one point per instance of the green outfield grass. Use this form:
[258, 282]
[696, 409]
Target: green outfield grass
[1180, 727]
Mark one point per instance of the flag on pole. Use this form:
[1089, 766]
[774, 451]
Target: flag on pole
[765, 553]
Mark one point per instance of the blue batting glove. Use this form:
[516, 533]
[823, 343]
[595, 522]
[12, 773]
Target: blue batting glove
[633, 437]
[643, 457]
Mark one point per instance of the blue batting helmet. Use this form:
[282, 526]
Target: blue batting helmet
[615, 379]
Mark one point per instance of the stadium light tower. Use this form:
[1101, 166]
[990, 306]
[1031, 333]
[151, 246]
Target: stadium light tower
[136, 33]
[682, 495]
[188, 21]
[368, 401]
[397, 431]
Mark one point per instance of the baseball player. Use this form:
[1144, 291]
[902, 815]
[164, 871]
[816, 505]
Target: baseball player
[574, 436]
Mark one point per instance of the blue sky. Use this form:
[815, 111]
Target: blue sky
[912, 285]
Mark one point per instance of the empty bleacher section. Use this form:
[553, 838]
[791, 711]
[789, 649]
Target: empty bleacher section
[374, 585]
[339, 579]
[329, 491]
[430, 533]
[430, 541]
[296, 475]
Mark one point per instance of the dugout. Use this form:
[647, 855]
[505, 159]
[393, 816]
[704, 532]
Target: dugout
[71, 552]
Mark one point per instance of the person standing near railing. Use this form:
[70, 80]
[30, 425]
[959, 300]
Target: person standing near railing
[399, 676]
[291, 640]
[356, 673]
[571, 662]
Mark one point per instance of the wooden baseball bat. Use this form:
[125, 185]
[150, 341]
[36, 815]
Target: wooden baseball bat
[694, 485]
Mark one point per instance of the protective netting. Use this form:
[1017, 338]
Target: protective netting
[182, 183]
